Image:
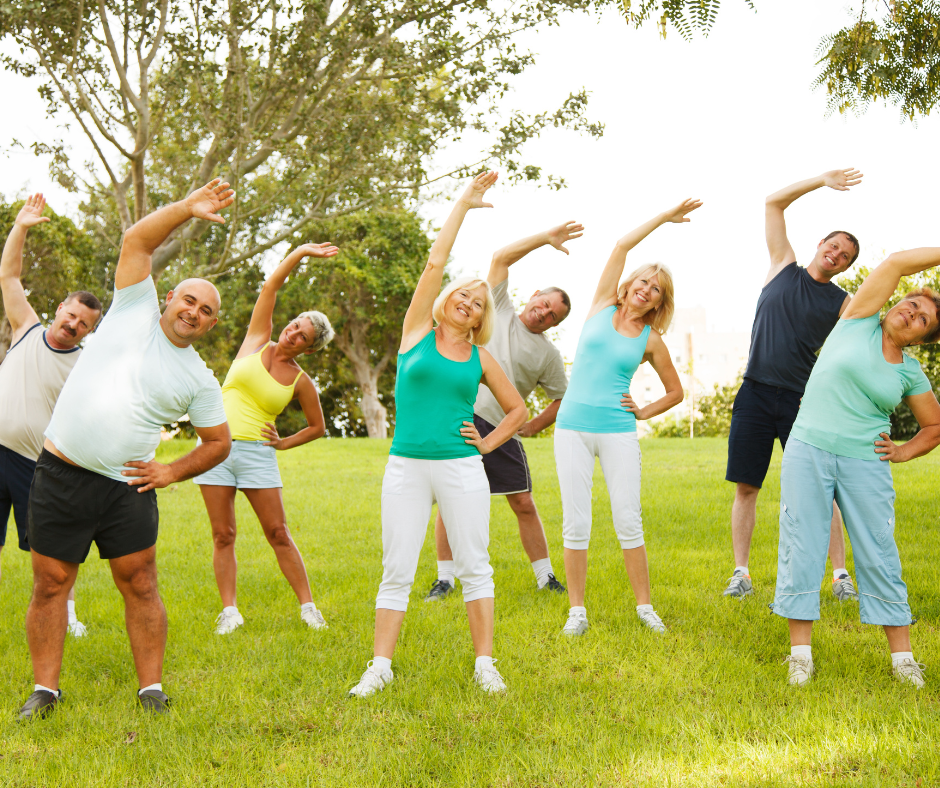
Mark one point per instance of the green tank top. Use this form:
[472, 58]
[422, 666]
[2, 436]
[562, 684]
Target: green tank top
[433, 397]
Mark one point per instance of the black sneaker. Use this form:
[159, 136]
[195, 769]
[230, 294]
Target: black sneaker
[439, 590]
[40, 704]
[154, 700]
[553, 585]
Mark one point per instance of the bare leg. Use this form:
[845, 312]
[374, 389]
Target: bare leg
[576, 575]
[47, 617]
[269, 506]
[220, 504]
[836, 539]
[387, 627]
[480, 614]
[743, 518]
[440, 540]
[135, 576]
[531, 532]
[638, 571]
[801, 632]
[899, 638]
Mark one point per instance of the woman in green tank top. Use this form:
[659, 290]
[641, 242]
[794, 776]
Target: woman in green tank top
[436, 451]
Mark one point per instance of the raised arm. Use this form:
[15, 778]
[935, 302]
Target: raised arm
[18, 311]
[418, 319]
[262, 316]
[610, 277]
[775, 227]
[143, 238]
[514, 252]
[883, 281]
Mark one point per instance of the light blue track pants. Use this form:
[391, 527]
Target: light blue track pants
[810, 479]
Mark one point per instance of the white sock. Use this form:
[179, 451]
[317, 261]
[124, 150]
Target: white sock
[801, 651]
[577, 611]
[230, 609]
[542, 569]
[158, 686]
[71, 607]
[837, 573]
[898, 656]
[307, 606]
[382, 664]
[482, 663]
[38, 687]
[446, 571]
[742, 570]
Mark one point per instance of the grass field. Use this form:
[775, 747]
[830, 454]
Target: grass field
[705, 705]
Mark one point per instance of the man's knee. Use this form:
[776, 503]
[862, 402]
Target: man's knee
[746, 492]
[51, 578]
[137, 579]
[522, 504]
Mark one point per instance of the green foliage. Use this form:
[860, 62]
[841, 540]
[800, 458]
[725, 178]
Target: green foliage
[712, 415]
[687, 16]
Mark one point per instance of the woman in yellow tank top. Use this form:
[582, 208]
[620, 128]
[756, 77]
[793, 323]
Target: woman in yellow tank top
[263, 379]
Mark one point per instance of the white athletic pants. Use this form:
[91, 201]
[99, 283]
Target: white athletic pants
[462, 492]
[619, 453]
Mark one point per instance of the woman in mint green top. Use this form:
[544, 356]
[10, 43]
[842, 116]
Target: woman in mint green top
[840, 449]
[436, 451]
[597, 417]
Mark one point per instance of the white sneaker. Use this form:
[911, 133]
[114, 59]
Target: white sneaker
[371, 682]
[907, 671]
[801, 670]
[77, 628]
[312, 617]
[577, 624]
[489, 679]
[652, 620]
[228, 621]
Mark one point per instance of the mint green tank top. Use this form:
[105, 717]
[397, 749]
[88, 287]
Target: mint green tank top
[433, 397]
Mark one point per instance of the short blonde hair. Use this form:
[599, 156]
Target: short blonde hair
[322, 330]
[660, 317]
[481, 333]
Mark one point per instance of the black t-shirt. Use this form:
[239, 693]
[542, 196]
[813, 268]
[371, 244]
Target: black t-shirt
[795, 314]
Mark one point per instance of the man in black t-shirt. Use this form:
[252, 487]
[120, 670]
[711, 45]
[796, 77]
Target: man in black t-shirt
[797, 309]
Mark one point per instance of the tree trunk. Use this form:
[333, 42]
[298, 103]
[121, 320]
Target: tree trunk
[373, 411]
[351, 340]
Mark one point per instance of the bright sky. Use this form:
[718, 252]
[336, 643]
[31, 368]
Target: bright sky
[727, 119]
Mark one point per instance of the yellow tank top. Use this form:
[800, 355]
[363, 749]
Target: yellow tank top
[252, 397]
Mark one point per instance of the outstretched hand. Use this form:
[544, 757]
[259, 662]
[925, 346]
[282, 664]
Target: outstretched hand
[472, 196]
[568, 231]
[31, 213]
[842, 180]
[678, 214]
[325, 249]
[205, 203]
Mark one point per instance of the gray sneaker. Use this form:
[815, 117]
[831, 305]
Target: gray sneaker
[439, 590]
[844, 589]
[739, 586]
[577, 624]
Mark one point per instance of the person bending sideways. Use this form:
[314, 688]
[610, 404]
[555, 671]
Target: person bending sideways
[529, 359]
[840, 450]
[31, 376]
[797, 309]
[96, 477]
[436, 450]
[261, 382]
[598, 416]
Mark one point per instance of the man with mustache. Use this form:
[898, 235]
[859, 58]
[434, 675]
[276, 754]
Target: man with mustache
[529, 359]
[96, 477]
[31, 376]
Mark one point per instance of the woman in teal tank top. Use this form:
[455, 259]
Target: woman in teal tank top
[597, 418]
[436, 451]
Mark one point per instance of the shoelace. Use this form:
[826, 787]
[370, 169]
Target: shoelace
[909, 667]
[847, 586]
[736, 581]
[652, 620]
[798, 663]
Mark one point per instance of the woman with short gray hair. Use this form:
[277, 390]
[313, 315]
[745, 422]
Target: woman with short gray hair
[263, 379]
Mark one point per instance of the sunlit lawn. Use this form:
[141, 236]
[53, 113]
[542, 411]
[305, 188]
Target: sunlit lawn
[707, 704]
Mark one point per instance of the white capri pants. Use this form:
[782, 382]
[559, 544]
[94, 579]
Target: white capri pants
[619, 453]
[462, 492]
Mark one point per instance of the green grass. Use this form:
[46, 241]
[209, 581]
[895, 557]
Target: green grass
[706, 705]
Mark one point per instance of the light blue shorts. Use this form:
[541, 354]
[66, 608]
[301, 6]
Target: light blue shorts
[810, 479]
[249, 466]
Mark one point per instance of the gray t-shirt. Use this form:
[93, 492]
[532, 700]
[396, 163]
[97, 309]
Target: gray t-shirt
[528, 359]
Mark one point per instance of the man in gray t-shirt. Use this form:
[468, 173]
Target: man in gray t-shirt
[530, 359]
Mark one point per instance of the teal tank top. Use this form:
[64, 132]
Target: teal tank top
[433, 397]
[603, 368]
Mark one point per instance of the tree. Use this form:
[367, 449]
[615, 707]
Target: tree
[310, 108]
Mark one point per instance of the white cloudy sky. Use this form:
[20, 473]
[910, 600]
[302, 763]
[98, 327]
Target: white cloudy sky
[727, 119]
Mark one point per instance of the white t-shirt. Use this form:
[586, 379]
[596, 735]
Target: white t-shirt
[528, 359]
[130, 381]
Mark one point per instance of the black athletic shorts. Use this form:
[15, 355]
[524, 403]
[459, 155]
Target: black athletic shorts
[760, 414]
[16, 474]
[71, 507]
[507, 467]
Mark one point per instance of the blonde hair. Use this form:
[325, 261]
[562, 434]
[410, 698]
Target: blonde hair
[660, 317]
[322, 330]
[481, 333]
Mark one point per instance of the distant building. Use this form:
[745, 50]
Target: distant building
[702, 358]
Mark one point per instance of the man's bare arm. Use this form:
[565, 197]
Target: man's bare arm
[215, 446]
[15, 304]
[542, 421]
[514, 252]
